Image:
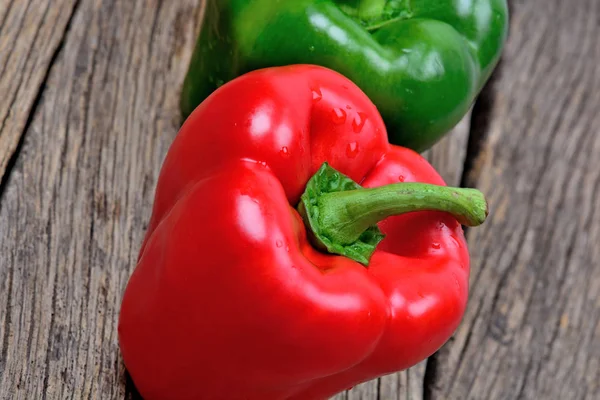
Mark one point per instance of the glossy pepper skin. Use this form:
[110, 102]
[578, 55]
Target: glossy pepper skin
[230, 300]
[422, 62]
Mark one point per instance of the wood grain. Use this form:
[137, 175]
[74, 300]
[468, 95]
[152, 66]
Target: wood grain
[448, 156]
[532, 328]
[31, 34]
[75, 205]
[89, 107]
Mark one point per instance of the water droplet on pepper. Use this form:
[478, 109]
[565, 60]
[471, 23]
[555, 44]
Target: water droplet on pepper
[316, 95]
[359, 122]
[455, 240]
[338, 116]
[352, 150]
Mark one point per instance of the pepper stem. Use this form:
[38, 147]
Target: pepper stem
[342, 217]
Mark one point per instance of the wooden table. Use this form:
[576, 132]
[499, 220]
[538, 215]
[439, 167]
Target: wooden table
[88, 107]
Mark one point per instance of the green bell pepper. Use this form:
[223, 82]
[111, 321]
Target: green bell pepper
[422, 62]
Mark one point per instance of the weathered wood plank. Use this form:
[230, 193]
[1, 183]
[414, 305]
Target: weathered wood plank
[84, 180]
[449, 154]
[74, 207]
[532, 328]
[31, 33]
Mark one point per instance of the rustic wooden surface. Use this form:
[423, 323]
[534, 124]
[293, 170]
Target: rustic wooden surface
[88, 108]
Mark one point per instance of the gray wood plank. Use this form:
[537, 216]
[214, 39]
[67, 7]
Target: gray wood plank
[77, 200]
[31, 33]
[532, 328]
[84, 180]
[449, 154]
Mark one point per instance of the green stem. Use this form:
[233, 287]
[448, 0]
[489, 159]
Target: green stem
[345, 215]
[369, 9]
[381, 24]
[342, 216]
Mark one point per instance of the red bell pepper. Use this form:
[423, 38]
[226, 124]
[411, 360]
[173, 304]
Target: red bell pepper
[265, 274]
